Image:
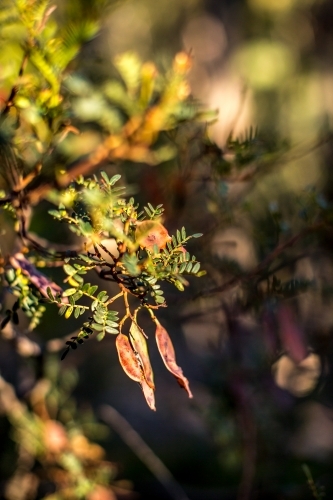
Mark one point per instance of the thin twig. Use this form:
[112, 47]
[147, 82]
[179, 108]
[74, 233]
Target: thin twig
[236, 280]
[135, 442]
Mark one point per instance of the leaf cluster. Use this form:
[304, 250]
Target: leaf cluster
[133, 118]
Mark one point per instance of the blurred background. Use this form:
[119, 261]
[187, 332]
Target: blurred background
[258, 350]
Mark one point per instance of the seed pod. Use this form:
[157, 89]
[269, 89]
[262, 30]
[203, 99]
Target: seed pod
[167, 353]
[139, 344]
[128, 359]
[148, 393]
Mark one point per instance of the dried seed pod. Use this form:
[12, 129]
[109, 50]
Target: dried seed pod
[148, 393]
[139, 344]
[128, 358]
[167, 352]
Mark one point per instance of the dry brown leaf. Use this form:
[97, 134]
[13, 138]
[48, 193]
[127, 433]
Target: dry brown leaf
[167, 352]
[139, 344]
[128, 359]
[149, 233]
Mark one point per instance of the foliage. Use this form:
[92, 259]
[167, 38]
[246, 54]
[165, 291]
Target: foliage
[46, 103]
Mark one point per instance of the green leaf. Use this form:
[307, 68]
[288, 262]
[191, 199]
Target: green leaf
[97, 327]
[179, 286]
[148, 212]
[105, 177]
[183, 233]
[114, 179]
[85, 258]
[92, 290]
[76, 312]
[111, 323]
[62, 310]
[159, 299]
[197, 235]
[189, 267]
[68, 292]
[109, 329]
[50, 294]
[182, 267]
[69, 269]
[99, 319]
[100, 336]
[101, 295]
[55, 213]
[112, 315]
[196, 268]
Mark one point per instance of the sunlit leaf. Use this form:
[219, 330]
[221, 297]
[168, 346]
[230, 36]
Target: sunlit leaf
[196, 268]
[68, 292]
[111, 323]
[97, 327]
[114, 179]
[109, 329]
[69, 269]
[69, 312]
[92, 290]
[100, 336]
[189, 267]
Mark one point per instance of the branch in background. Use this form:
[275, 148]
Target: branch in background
[9, 102]
[135, 442]
[24, 346]
[263, 266]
